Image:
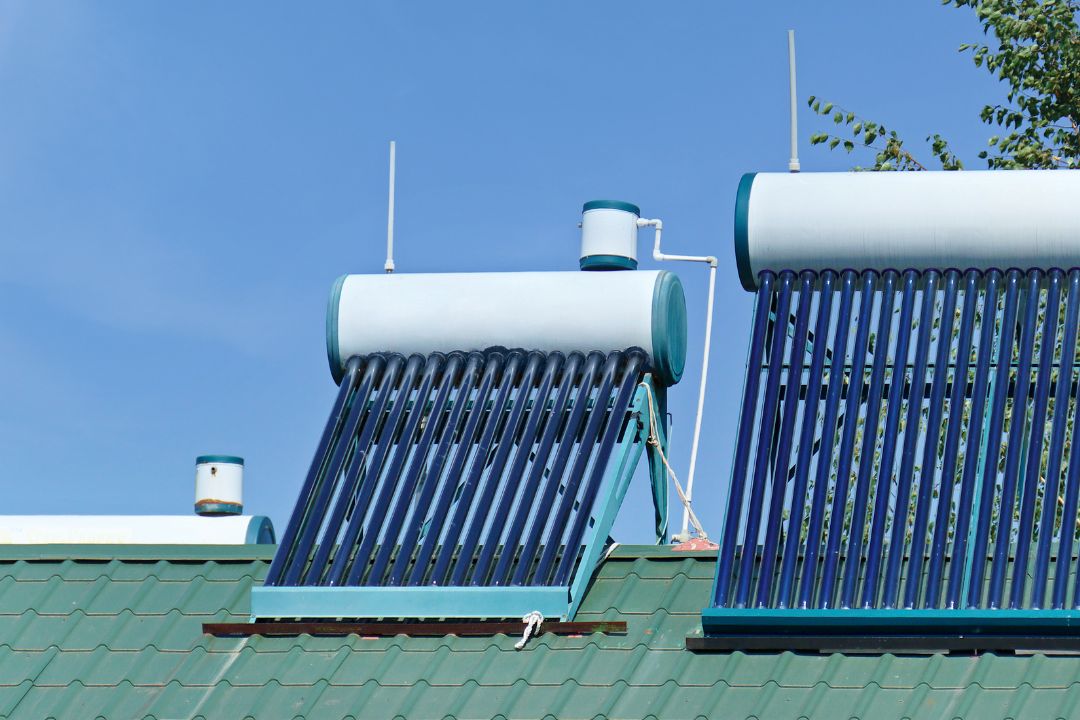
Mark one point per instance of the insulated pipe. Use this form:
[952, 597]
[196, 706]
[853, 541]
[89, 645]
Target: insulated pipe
[1048, 342]
[1015, 448]
[740, 465]
[873, 407]
[782, 454]
[952, 440]
[875, 548]
[969, 478]
[847, 439]
[457, 467]
[659, 256]
[1057, 448]
[828, 430]
[337, 416]
[992, 445]
[933, 432]
[911, 439]
[806, 439]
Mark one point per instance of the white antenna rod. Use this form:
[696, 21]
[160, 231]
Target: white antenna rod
[389, 266]
[793, 163]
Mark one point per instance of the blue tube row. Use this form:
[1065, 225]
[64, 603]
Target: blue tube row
[902, 443]
[460, 469]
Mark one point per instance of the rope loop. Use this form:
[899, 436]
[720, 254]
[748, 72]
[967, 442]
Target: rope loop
[654, 441]
[532, 621]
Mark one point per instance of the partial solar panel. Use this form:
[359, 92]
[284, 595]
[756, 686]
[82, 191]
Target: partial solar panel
[907, 441]
[463, 470]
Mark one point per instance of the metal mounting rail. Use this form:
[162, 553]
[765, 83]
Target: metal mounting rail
[909, 644]
[411, 629]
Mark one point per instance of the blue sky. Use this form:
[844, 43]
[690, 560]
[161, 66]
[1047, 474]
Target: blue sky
[180, 183]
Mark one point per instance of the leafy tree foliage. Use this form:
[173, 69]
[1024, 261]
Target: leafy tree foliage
[1033, 47]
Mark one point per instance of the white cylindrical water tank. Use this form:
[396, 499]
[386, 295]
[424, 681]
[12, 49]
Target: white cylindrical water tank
[609, 235]
[546, 311]
[907, 220]
[219, 485]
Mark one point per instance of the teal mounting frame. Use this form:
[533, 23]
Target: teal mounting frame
[559, 602]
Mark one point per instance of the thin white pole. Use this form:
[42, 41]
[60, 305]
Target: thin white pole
[389, 266]
[793, 163]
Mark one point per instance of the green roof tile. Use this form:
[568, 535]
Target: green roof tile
[116, 632]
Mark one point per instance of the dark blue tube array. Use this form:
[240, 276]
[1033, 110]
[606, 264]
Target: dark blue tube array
[907, 444]
[480, 468]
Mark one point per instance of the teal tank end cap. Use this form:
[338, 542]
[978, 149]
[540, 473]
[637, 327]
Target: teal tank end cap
[669, 328]
[260, 531]
[742, 232]
[611, 205]
[333, 352]
[211, 508]
[231, 459]
[608, 262]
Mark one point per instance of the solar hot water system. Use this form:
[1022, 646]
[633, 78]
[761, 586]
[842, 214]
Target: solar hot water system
[906, 471]
[483, 436]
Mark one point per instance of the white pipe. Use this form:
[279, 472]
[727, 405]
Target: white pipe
[389, 265]
[793, 163]
[712, 261]
[701, 397]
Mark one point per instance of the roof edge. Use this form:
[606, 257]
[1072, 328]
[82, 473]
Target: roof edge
[656, 552]
[106, 551]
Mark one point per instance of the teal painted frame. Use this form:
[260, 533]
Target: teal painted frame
[784, 621]
[658, 475]
[333, 349]
[618, 480]
[742, 233]
[407, 602]
[477, 602]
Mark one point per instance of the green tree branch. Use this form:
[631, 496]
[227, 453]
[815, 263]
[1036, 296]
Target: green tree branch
[1033, 46]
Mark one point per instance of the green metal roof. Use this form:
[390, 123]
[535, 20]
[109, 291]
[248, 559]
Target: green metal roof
[115, 632]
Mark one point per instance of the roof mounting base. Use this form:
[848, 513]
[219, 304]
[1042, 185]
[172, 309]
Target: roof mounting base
[875, 644]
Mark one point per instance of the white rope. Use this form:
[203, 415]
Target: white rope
[532, 621]
[654, 440]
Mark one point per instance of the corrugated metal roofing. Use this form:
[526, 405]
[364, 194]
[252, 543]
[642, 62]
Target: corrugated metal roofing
[115, 632]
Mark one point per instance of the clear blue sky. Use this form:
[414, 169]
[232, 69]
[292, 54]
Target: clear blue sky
[180, 183]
